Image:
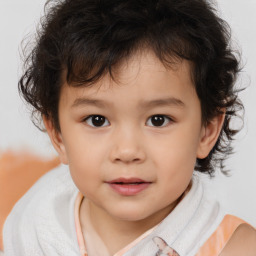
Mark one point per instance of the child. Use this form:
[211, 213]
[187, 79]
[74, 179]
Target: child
[136, 97]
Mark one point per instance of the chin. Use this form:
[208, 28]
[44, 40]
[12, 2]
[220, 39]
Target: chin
[130, 215]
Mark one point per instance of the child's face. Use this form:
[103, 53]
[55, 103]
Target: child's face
[145, 131]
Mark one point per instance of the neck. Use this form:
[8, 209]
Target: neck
[123, 232]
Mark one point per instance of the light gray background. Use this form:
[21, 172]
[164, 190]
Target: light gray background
[237, 193]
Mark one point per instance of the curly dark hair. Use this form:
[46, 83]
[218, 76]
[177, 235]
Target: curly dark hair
[83, 39]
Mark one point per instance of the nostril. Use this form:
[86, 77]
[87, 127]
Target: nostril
[127, 153]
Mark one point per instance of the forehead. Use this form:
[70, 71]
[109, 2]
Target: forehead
[142, 75]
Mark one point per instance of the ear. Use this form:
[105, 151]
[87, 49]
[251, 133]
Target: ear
[56, 140]
[209, 136]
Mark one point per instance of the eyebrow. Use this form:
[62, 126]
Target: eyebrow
[85, 101]
[172, 101]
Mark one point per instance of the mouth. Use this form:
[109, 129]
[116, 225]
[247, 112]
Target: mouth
[128, 187]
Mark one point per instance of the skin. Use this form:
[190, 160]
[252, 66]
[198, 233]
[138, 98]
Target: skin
[129, 145]
[242, 242]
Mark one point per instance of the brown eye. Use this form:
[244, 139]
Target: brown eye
[97, 121]
[158, 121]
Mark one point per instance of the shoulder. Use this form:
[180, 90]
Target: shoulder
[233, 236]
[242, 242]
[40, 211]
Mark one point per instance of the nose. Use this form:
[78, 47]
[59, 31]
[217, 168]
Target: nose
[127, 147]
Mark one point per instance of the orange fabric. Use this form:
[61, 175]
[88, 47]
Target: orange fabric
[220, 237]
[18, 172]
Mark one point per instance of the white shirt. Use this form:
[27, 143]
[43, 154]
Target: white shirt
[43, 221]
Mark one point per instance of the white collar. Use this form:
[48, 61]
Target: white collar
[187, 227]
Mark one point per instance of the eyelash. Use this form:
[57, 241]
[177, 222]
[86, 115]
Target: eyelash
[89, 120]
[167, 120]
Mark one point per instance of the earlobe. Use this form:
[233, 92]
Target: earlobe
[56, 139]
[209, 136]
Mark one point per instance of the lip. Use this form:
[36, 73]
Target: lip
[128, 186]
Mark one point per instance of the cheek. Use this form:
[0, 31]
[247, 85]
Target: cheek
[175, 153]
[83, 149]
[175, 160]
[86, 176]
[85, 162]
